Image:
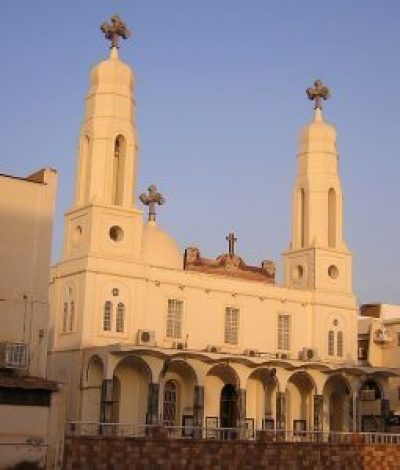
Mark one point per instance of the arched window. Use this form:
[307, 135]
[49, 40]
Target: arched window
[332, 218]
[339, 343]
[120, 318]
[302, 218]
[331, 343]
[71, 315]
[118, 170]
[169, 403]
[107, 316]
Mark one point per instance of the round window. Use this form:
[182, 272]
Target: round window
[333, 271]
[116, 233]
[298, 272]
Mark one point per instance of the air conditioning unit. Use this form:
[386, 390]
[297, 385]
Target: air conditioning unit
[213, 349]
[251, 352]
[146, 338]
[13, 355]
[367, 395]
[178, 345]
[307, 354]
[282, 355]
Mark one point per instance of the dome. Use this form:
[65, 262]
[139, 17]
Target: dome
[112, 76]
[318, 136]
[159, 248]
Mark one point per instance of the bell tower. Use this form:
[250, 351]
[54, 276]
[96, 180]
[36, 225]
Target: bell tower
[104, 219]
[318, 257]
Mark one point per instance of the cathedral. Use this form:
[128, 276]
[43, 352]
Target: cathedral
[143, 333]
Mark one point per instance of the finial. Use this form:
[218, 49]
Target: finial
[151, 199]
[114, 30]
[231, 239]
[318, 92]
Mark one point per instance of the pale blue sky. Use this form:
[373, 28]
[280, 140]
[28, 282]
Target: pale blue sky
[220, 103]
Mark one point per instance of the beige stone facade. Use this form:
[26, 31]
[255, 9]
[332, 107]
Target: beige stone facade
[139, 337]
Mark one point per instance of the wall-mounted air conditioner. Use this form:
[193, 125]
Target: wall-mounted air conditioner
[308, 354]
[251, 352]
[213, 349]
[13, 355]
[178, 345]
[146, 338]
[282, 355]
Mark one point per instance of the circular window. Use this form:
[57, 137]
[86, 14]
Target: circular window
[116, 233]
[77, 234]
[298, 272]
[333, 271]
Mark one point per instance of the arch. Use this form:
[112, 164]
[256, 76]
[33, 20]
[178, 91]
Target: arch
[91, 390]
[226, 373]
[299, 397]
[261, 392]
[332, 218]
[228, 406]
[180, 367]
[131, 379]
[337, 404]
[119, 157]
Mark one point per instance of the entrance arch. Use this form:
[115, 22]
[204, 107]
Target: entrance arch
[299, 396]
[337, 404]
[261, 390]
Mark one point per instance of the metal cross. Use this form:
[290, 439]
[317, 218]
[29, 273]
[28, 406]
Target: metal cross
[114, 30]
[151, 199]
[318, 92]
[231, 239]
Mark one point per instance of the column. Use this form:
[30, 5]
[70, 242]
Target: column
[152, 404]
[280, 410]
[354, 424]
[198, 406]
[318, 412]
[107, 402]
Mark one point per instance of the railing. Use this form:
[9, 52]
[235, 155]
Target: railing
[80, 428]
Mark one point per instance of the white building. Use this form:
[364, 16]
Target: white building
[143, 334]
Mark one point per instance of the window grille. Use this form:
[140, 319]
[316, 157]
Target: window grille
[331, 343]
[283, 332]
[107, 316]
[169, 404]
[231, 325]
[120, 320]
[339, 344]
[174, 318]
[65, 317]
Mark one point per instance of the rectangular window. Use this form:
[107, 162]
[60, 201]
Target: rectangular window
[65, 317]
[283, 332]
[71, 315]
[340, 344]
[231, 325]
[107, 316]
[331, 343]
[174, 318]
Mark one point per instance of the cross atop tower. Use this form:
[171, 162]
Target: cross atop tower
[150, 199]
[114, 30]
[231, 239]
[318, 92]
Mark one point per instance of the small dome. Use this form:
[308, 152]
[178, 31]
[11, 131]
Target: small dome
[159, 248]
[112, 76]
[318, 136]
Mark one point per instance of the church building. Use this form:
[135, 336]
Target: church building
[143, 333]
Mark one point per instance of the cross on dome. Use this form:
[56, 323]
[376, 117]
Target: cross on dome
[317, 93]
[150, 199]
[113, 31]
[231, 239]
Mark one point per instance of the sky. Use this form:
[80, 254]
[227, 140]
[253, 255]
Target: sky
[220, 93]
